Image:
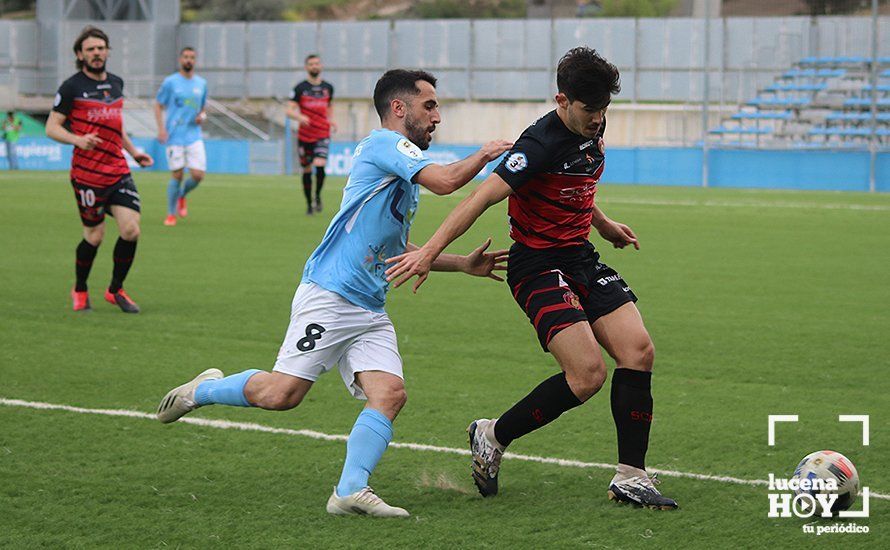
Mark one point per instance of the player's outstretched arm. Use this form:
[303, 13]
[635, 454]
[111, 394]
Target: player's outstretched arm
[478, 262]
[446, 179]
[616, 233]
[419, 262]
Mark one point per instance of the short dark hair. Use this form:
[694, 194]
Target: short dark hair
[187, 49]
[88, 32]
[10, 113]
[395, 83]
[585, 75]
[311, 56]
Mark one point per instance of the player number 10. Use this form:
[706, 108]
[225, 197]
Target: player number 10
[88, 197]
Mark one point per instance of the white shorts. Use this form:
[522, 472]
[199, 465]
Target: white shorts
[327, 330]
[192, 156]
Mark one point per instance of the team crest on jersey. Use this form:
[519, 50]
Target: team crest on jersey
[572, 299]
[517, 162]
[409, 149]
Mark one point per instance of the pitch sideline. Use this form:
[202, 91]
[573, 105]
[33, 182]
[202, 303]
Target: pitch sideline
[252, 427]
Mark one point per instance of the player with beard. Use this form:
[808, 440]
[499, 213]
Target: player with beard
[337, 315]
[183, 95]
[88, 113]
[575, 302]
[311, 105]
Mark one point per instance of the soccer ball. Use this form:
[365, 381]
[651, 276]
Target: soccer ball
[831, 467]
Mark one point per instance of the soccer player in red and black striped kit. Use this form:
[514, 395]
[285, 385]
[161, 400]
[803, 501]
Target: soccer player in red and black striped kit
[311, 105]
[575, 302]
[88, 113]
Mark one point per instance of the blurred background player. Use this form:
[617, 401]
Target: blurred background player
[575, 302]
[311, 106]
[183, 95]
[91, 104]
[12, 126]
[337, 316]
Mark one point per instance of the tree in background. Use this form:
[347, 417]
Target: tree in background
[636, 8]
[836, 7]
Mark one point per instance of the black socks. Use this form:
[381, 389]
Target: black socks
[307, 187]
[124, 251]
[632, 411]
[544, 404]
[85, 255]
[319, 181]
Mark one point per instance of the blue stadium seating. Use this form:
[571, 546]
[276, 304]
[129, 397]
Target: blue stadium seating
[773, 115]
[883, 103]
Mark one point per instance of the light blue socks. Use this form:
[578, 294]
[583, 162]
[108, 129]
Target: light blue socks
[370, 436]
[225, 391]
[172, 196]
[189, 186]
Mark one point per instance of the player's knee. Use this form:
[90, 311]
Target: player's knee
[94, 235]
[177, 175]
[640, 357]
[197, 175]
[390, 400]
[130, 232]
[585, 381]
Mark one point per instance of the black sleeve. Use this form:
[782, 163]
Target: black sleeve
[527, 158]
[64, 100]
[295, 94]
[330, 91]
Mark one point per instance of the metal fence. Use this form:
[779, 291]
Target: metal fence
[660, 59]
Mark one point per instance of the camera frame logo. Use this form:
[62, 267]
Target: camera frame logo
[817, 496]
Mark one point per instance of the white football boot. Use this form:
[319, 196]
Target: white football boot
[363, 503]
[634, 486]
[181, 400]
[486, 457]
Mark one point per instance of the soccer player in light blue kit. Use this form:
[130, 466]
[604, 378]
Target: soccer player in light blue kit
[337, 316]
[183, 95]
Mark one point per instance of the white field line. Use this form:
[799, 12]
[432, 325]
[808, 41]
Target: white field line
[251, 427]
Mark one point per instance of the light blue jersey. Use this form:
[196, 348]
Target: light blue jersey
[379, 203]
[183, 98]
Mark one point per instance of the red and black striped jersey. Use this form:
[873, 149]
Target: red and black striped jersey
[553, 172]
[314, 100]
[95, 106]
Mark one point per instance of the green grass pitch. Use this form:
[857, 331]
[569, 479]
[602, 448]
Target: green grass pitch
[759, 302]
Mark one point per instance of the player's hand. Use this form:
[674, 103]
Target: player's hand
[202, 116]
[334, 126]
[163, 136]
[87, 141]
[493, 149]
[482, 264]
[618, 234]
[303, 119]
[417, 262]
[143, 159]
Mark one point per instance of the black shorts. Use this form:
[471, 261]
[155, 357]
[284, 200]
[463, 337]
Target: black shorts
[558, 287]
[311, 150]
[94, 202]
